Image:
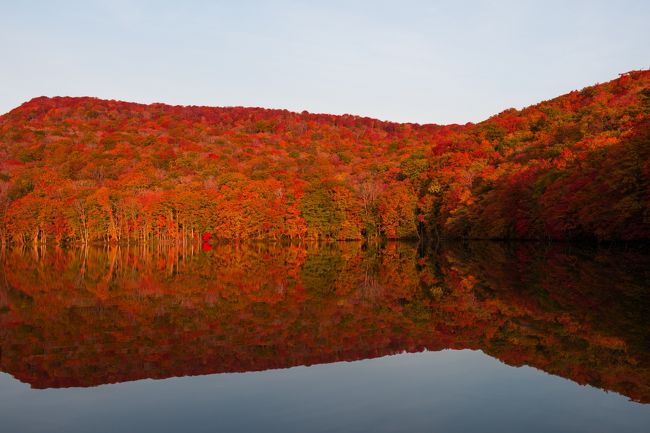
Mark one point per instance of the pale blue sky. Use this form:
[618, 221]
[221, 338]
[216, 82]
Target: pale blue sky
[419, 61]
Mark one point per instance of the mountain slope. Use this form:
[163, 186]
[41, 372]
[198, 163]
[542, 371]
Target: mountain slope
[84, 170]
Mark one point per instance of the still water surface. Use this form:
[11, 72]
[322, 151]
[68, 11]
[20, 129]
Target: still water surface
[484, 337]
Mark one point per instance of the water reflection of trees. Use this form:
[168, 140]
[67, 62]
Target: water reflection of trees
[87, 317]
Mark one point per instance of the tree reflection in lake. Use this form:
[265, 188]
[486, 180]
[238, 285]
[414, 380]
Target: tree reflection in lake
[88, 317]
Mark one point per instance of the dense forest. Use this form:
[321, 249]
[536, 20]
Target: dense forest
[85, 170]
[84, 317]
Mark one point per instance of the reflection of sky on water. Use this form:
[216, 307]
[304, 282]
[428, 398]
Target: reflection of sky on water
[447, 391]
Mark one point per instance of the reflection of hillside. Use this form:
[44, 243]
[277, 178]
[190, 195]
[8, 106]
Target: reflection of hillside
[69, 318]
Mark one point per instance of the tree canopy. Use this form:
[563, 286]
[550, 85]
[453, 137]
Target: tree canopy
[88, 170]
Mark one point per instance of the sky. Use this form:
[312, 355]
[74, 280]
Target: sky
[406, 61]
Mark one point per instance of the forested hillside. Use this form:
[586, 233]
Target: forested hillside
[82, 170]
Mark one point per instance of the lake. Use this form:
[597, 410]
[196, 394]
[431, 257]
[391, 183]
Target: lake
[466, 337]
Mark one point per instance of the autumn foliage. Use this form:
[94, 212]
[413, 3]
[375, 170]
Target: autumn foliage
[83, 170]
